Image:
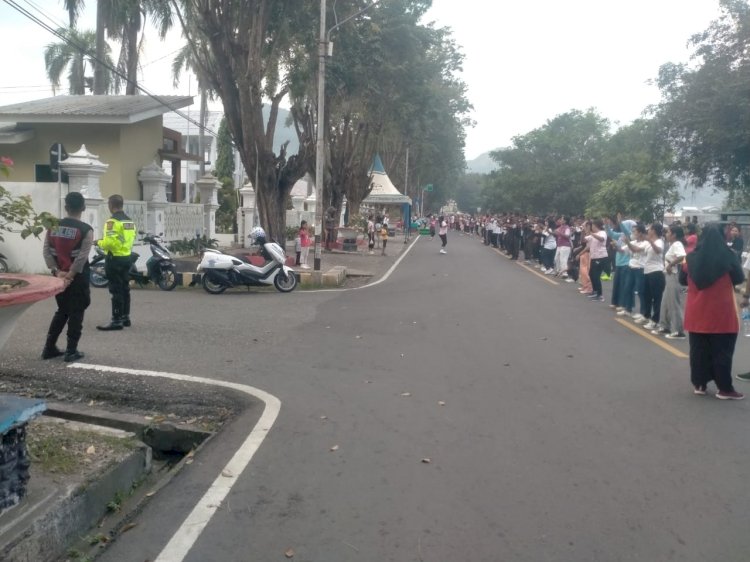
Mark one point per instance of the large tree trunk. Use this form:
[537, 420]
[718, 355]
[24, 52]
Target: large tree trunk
[132, 28]
[101, 25]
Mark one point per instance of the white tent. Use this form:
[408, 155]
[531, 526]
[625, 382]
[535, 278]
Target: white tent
[383, 191]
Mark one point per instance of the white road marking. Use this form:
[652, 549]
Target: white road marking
[379, 281]
[186, 536]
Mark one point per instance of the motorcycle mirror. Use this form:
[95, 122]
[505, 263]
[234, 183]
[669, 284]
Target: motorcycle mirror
[141, 232]
[161, 234]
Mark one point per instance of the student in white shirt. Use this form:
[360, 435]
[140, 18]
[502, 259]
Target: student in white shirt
[653, 270]
[673, 305]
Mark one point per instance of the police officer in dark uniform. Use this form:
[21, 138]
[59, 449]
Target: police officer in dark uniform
[66, 253]
[117, 243]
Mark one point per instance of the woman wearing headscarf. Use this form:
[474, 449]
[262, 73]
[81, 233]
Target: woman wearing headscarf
[711, 315]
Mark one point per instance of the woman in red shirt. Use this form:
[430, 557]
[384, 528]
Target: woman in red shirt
[711, 315]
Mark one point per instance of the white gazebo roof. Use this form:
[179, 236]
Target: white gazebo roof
[383, 191]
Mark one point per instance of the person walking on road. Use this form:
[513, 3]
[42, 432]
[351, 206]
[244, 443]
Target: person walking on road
[66, 253]
[443, 233]
[119, 235]
[711, 316]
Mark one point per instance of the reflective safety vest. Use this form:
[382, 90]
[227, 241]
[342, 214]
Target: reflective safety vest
[119, 235]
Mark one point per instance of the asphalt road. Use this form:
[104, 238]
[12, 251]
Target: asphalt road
[553, 431]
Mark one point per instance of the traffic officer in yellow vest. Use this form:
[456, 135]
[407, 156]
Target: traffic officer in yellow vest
[119, 235]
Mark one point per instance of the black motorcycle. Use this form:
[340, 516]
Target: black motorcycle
[160, 268]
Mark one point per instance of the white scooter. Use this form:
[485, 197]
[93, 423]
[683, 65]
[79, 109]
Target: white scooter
[221, 271]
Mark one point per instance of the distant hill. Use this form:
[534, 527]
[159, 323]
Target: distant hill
[482, 164]
[701, 197]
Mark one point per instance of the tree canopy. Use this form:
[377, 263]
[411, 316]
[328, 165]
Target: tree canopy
[705, 106]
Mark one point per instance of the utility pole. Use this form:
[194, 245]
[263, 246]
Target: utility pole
[320, 141]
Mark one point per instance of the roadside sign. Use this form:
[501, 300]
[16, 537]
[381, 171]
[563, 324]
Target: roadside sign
[428, 187]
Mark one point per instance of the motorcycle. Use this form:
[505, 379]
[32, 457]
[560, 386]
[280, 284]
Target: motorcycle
[3, 264]
[221, 271]
[159, 268]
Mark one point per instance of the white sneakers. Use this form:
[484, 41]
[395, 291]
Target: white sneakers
[623, 313]
[650, 325]
[639, 318]
[442, 251]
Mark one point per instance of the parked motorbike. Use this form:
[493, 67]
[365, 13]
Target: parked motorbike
[160, 268]
[221, 271]
[3, 264]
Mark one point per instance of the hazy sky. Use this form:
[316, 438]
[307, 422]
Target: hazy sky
[526, 61]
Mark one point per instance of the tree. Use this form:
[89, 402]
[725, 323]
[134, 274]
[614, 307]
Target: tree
[226, 215]
[240, 47]
[637, 162]
[704, 108]
[556, 167]
[224, 152]
[390, 85]
[74, 54]
[121, 20]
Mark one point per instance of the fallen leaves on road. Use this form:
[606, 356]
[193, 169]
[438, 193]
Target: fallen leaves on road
[289, 553]
[91, 450]
[441, 403]
[91, 403]
[127, 527]
[427, 460]
[149, 494]
[358, 337]
[506, 364]
[335, 448]
[227, 474]
[323, 417]
[406, 394]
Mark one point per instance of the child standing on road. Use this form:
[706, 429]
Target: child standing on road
[304, 241]
[384, 237]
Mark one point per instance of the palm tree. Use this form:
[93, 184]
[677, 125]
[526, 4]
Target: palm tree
[122, 20]
[74, 53]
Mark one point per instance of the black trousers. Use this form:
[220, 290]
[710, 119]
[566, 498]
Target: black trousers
[71, 305]
[595, 274]
[653, 291]
[116, 269]
[711, 359]
[444, 239]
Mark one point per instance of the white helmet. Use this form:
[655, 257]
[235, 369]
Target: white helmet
[257, 234]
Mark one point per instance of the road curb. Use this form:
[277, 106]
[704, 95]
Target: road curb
[45, 529]
[334, 277]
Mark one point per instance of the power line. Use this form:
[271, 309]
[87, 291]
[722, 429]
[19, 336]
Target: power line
[23, 11]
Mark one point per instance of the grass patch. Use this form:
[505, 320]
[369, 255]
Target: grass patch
[58, 450]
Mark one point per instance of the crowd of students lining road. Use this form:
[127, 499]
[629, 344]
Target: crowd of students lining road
[670, 280]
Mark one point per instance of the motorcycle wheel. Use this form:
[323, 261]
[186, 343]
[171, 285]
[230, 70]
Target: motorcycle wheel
[97, 277]
[3, 266]
[211, 287]
[285, 283]
[168, 279]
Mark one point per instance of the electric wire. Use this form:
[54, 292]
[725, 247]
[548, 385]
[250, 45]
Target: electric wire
[23, 11]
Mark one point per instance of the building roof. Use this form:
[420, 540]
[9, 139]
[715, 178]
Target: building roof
[110, 110]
